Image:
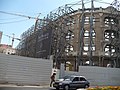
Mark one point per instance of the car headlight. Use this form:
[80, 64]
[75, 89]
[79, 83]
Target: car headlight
[60, 83]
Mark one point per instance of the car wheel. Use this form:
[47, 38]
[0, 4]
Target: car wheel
[86, 86]
[66, 87]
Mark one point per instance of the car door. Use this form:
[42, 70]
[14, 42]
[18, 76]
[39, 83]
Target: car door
[82, 82]
[75, 82]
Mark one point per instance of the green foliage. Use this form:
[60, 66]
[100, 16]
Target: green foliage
[105, 88]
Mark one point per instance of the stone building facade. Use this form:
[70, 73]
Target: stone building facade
[69, 46]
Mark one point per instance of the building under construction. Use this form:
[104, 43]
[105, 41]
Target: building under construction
[84, 36]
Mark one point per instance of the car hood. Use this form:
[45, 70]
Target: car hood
[63, 81]
[60, 80]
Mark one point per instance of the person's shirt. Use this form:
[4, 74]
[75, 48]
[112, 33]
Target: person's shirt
[53, 77]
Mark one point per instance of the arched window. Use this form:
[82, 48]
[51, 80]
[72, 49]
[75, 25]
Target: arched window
[109, 50]
[110, 20]
[87, 20]
[87, 33]
[86, 47]
[69, 48]
[69, 35]
[110, 34]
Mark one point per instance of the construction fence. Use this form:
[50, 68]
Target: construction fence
[24, 71]
[97, 76]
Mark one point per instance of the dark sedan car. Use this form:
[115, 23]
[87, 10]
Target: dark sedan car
[71, 82]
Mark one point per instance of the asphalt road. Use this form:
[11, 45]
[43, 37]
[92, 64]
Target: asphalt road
[25, 88]
[14, 87]
[29, 88]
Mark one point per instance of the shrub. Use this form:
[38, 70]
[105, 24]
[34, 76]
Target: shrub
[105, 88]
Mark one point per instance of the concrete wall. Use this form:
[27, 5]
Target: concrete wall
[99, 76]
[22, 70]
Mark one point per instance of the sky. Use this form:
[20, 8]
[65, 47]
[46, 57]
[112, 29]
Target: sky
[12, 24]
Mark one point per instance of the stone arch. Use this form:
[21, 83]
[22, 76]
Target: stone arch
[110, 34]
[109, 50]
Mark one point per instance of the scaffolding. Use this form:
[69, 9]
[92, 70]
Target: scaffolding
[70, 41]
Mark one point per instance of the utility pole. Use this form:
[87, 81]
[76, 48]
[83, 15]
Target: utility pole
[13, 39]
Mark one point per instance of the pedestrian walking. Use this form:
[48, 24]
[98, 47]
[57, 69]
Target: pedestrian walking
[52, 79]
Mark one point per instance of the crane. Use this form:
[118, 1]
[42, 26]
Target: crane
[25, 16]
[14, 14]
[13, 38]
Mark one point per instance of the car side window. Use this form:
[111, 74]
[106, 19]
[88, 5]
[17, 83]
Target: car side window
[76, 79]
[82, 79]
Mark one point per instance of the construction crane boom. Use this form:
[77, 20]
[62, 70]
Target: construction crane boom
[13, 38]
[29, 17]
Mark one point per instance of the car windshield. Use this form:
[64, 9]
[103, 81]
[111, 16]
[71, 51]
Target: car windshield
[68, 78]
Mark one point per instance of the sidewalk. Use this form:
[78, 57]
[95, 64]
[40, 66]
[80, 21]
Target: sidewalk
[12, 85]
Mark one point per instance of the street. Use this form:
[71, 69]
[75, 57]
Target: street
[29, 88]
[25, 88]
